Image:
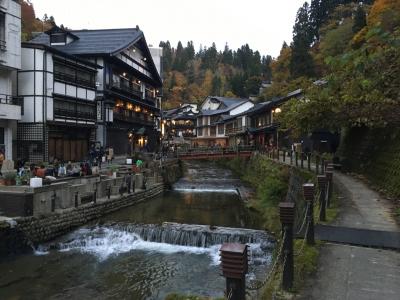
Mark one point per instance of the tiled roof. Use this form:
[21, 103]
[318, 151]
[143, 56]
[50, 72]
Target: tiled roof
[99, 41]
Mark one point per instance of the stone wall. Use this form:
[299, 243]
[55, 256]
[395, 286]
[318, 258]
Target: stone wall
[45, 228]
[22, 233]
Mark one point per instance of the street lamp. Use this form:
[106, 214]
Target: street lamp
[277, 110]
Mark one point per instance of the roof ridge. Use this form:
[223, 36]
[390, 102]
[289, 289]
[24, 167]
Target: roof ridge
[105, 29]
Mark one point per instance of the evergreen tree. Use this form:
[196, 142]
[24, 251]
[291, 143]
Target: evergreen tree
[179, 61]
[167, 55]
[227, 55]
[216, 86]
[301, 63]
[360, 19]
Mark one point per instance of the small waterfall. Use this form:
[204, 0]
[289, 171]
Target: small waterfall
[113, 239]
[196, 235]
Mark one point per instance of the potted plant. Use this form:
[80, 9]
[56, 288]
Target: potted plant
[113, 171]
[10, 178]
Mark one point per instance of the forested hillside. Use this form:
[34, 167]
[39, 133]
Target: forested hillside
[191, 76]
[354, 47]
[31, 23]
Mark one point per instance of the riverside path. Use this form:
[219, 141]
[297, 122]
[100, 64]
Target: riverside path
[347, 272]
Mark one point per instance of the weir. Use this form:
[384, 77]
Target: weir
[201, 236]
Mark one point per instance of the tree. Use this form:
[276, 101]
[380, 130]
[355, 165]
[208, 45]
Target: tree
[360, 19]
[301, 63]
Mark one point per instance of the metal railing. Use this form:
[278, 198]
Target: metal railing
[9, 99]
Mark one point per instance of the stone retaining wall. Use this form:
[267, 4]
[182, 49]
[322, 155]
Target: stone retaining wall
[19, 233]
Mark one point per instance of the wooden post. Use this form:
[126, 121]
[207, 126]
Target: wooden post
[322, 188]
[308, 191]
[297, 158]
[109, 192]
[234, 263]
[286, 213]
[309, 161]
[317, 164]
[53, 201]
[76, 199]
[329, 177]
[302, 160]
[322, 165]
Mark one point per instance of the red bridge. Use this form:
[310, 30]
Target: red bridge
[215, 153]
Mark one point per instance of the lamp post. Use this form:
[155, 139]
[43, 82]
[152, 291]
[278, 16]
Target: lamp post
[276, 111]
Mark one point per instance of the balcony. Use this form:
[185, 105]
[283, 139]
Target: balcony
[125, 87]
[150, 95]
[133, 117]
[10, 107]
[235, 130]
[72, 114]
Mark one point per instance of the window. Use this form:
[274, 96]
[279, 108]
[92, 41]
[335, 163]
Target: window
[58, 38]
[73, 74]
[72, 109]
[221, 129]
[213, 131]
[200, 131]
[2, 31]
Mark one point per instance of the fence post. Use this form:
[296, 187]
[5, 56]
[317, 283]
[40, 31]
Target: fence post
[109, 192]
[322, 189]
[322, 165]
[308, 191]
[297, 158]
[76, 199]
[302, 160]
[53, 201]
[286, 213]
[309, 161]
[234, 263]
[329, 177]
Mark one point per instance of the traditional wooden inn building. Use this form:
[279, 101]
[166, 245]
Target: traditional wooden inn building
[10, 62]
[180, 121]
[214, 112]
[85, 86]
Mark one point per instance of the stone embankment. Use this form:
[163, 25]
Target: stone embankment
[20, 234]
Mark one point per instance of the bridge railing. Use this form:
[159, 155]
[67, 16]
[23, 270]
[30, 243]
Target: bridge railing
[214, 151]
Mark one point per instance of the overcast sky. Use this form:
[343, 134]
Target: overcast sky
[263, 24]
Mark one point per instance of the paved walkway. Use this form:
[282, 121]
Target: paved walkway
[357, 273]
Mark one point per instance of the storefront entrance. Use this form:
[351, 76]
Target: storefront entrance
[69, 144]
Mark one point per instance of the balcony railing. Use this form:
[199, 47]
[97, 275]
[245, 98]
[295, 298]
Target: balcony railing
[72, 114]
[69, 78]
[3, 45]
[150, 95]
[235, 130]
[134, 89]
[8, 99]
[133, 117]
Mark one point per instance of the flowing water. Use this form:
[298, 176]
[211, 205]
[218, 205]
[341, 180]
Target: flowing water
[169, 244]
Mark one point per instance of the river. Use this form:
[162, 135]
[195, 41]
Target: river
[134, 254]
